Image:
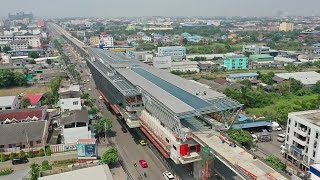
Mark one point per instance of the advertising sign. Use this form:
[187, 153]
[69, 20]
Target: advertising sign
[88, 151]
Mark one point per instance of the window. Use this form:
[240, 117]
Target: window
[1, 146]
[174, 147]
[75, 102]
[287, 138]
[295, 124]
[81, 124]
[66, 109]
[38, 142]
[314, 153]
[289, 121]
[317, 134]
[8, 108]
[167, 140]
[72, 125]
[162, 124]
[288, 129]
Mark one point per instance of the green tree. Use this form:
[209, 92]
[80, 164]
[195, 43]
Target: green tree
[3, 157]
[290, 67]
[41, 152]
[6, 49]
[34, 171]
[12, 156]
[49, 61]
[184, 41]
[31, 154]
[102, 125]
[22, 154]
[33, 55]
[25, 102]
[29, 47]
[93, 110]
[267, 78]
[47, 99]
[48, 151]
[54, 86]
[316, 88]
[276, 162]
[247, 54]
[246, 83]
[110, 156]
[45, 165]
[241, 136]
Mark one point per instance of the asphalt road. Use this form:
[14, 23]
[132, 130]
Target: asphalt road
[129, 148]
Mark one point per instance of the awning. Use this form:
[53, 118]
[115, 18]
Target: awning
[115, 108]
[104, 97]
[158, 146]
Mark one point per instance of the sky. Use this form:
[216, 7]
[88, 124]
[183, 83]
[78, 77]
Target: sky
[115, 8]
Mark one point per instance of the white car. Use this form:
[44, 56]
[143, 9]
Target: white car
[100, 97]
[89, 89]
[88, 80]
[168, 175]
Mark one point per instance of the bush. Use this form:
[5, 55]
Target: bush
[3, 158]
[48, 151]
[22, 154]
[276, 162]
[31, 154]
[41, 152]
[45, 165]
[12, 156]
[6, 171]
[67, 161]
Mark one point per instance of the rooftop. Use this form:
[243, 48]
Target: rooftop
[74, 116]
[34, 98]
[260, 56]
[68, 88]
[22, 114]
[312, 116]
[242, 75]
[251, 124]
[7, 100]
[306, 78]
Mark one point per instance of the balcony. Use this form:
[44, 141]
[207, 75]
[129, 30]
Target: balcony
[301, 142]
[192, 157]
[302, 131]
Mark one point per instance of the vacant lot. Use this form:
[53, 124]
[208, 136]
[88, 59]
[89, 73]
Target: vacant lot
[27, 90]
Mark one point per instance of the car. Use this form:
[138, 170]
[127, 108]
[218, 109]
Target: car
[143, 163]
[100, 97]
[124, 130]
[279, 128]
[89, 89]
[88, 80]
[19, 161]
[168, 175]
[142, 142]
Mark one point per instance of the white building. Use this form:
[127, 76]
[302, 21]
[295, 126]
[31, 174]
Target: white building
[70, 98]
[33, 41]
[184, 66]
[303, 138]
[107, 40]
[254, 49]
[284, 26]
[9, 102]
[18, 44]
[5, 38]
[146, 38]
[162, 62]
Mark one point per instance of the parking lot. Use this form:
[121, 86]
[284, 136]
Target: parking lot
[271, 147]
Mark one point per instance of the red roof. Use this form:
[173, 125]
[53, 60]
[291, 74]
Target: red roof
[34, 98]
[21, 114]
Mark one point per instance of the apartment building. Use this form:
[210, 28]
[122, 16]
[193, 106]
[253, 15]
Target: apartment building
[231, 62]
[303, 138]
[285, 26]
[106, 39]
[33, 41]
[254, 49]
[70, 97]
[94, 40]
[18, 44]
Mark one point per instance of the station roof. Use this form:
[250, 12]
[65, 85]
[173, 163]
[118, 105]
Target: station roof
[251, 125]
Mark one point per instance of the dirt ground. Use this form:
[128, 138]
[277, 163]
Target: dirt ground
[26, 90]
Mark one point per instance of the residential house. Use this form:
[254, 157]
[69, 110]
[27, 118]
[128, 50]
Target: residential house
[106, 39]
[234, 61]
[242, 76]
[35, 99]
[134, 38]
[9, 102]
[146, 38]
[205, 66]
[70, 97]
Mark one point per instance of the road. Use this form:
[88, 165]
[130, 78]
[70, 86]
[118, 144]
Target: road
[129, 148]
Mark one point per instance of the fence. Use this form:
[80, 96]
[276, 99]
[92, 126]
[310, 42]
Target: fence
[63, 148]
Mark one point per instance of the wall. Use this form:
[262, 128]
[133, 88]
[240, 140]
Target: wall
[71, 135]
[68, 104]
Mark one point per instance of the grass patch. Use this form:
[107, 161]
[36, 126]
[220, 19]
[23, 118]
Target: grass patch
[6, 171]
[26, 90]
[64, 163]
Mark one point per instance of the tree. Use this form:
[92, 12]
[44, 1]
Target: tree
[22, 154]
[48, 151]
[54, 86]
[45, 165]
[10, 78]
[31, 154]
[246, 83]
[316, 88]
[48, 99]
[93, 110]
[6, 49]
[3, 157]
[267, 78]
[49, 61]
[110, 156]
[12, 156]
[25, 102]
[41, 152]
[247, 54]
[184, 41]
[290, 67]
[276, 162]
[34, 171]
[104, 124]
[33, 55]
[241, 136]
[29, 47]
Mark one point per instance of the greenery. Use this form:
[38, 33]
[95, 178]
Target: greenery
[93, 110]
[64, 163]
[110, 156]
[22, 154]
[199, 58]
[45, 165]
[183, 72]
[10, 78]
[31, 154]
[266, 78]
[241, 136]
[25, 102]
[48, 151]
[33, 62]
[54, 86]
[213, 48]
[6, 171]
[49, 61]
[34, 171]
[33, 55]
[3, 157]
[276, 162]
[41, 152]
[12, 156]
[104, 124]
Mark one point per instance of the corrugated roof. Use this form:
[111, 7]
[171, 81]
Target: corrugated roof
[34, 98]
[242, 75]
[7, 100]
[21, 114]
[251, 125]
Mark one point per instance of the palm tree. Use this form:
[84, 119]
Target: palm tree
[102, 126]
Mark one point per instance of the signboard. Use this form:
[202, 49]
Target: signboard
[87, 151]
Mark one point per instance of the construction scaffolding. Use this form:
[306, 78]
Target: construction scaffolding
[207, 155]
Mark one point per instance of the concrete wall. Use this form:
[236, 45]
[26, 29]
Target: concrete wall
[68, 104]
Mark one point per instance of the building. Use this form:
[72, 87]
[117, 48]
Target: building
[94, 40]
[261, 58]
[134, 38]
[232, 62]
[205, 66]
[146, 38]
[309, 78]
[184, 66]
[242, 76]
[20, 16]
[75, 126]
[19, 44]
[173, 51]
[6, 38]
[162, 62]
[35, 99]
[106, 39]
[286, 26]
[70, 97]
[311, 50]
[9, 102]
[33, 41]
[254, 49]
[302, 138]
[141, 56]
[315, 172]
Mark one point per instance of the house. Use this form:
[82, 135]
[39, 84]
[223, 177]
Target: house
[35, 99]
[309, 78]
[242, 76]
[9, 102]
[205, 66]
[134, 38]
[146, 38]
[234, 61]
[70, 97]
[75, 126]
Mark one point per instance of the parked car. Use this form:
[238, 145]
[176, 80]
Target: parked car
[143, 163]
[19, 161]
[124, 130]
[168, 175]
[281, 137]
[142, 142]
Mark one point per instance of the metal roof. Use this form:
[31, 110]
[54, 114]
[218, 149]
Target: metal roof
[306, 78]
[7, 100]
[251, 125]
[242, 75]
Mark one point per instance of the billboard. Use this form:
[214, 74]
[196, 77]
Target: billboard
[87, 151]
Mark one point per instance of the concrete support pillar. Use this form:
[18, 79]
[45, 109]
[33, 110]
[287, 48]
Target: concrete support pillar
[197, 170]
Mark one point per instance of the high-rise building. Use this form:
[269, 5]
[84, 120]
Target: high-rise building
[285, 26]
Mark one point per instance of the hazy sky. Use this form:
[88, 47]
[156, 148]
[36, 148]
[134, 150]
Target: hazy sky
[111, 8]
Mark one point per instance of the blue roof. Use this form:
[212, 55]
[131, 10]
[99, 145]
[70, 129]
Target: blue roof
[242, 75]
[177, 92]
[243, 118]
[251, 125]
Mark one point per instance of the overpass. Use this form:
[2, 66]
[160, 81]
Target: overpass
[181, 118]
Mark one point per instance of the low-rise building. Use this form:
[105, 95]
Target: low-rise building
[255, 49]
[106, 39]
[146, 38]
[205, 66]
[9, 102]
[308, 79]
[184, 66]
[232, 62]
[173, 51]
[162, 62]
[35, 99]
[302, 138]
[18, 44]
[94, 40]
[70, 97]
[261, 58]
[242, 76]
[134, 38]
